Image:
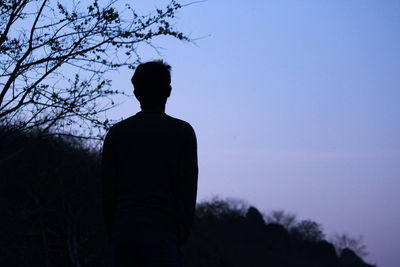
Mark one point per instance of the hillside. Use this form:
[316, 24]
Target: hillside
[51, 216]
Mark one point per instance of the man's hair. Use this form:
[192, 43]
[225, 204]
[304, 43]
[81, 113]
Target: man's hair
[152, 83]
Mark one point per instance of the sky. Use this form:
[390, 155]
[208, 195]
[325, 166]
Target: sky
[296, 107]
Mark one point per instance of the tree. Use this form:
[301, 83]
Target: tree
[218, 208]
[55, 57]
[288, 220]
[309, 230]
[344, 241]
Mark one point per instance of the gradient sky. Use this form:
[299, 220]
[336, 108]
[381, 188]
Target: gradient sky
[296, 105]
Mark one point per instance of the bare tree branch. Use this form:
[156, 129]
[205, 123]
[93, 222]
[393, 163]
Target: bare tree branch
[39, 57]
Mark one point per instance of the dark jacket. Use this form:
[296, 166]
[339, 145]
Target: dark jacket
[149, 175]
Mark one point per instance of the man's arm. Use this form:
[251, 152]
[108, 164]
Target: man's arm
[187, 185]
[108, 175]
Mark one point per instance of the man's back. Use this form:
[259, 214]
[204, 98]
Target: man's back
[150, 174]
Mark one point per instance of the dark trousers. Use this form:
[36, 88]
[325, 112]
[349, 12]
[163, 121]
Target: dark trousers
[145, 248]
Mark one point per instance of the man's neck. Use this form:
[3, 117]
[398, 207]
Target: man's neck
[154, 110]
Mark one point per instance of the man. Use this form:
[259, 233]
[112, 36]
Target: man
[149, 174]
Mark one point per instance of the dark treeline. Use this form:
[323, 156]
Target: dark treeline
[51, 215]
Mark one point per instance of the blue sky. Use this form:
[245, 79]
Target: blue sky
[296, 107]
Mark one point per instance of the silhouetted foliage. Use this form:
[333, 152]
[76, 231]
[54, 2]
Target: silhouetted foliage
[350, 258]
[218, 208]
[281, 217]
[255, 217]
[344, 241]
[54, 57]
[308, 230]
[51, 216]
[49, 197]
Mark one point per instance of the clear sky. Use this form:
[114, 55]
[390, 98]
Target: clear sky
[296, 105]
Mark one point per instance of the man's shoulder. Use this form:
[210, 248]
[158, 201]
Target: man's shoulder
[179, 122]
[116, 127]
[121, 123]
[185, 128]
[137, 120]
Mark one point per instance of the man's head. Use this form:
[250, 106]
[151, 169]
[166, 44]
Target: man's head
[152, 83]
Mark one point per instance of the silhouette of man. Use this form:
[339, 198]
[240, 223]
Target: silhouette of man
[149, 175]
